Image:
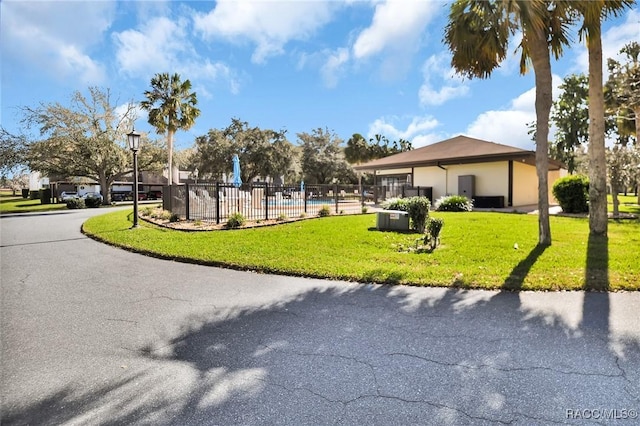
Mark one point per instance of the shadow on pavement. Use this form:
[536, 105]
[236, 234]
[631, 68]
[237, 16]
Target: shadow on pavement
[358, 354]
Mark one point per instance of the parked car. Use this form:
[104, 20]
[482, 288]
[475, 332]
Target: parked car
[154, 195]
[121, 196]
[68, 195]
[95, 195]
[142, 196]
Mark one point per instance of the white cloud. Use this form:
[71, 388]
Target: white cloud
[419, 130]
[270, 25]
[509, 126]
[396, 33]
[162, 45]
[436, 68]
[334, 66]
[396, 25]
[54, 36]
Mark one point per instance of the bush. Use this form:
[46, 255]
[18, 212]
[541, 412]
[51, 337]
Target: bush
[236, 220]
[417, 207]
[396, 204]
[454, 203]
[92, 202]
[324, 211]
[365, 209]
[76, 203]
[282, 217]
[434, 226]
[572, 193]
[173, 217]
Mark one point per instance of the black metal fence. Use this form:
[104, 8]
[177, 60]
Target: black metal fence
[258, 201]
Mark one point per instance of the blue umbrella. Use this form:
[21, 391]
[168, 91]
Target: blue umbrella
[301, 186]
[237, 180]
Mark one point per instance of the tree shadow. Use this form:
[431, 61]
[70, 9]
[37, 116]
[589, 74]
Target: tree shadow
[596, 304]
[518, 274]
[353, 353]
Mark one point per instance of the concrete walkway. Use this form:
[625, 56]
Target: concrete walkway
[94, 335]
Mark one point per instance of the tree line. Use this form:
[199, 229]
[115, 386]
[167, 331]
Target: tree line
[478, 33]
[87, 139]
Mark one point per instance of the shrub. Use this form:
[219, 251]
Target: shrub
[434, 226]
[453, 203]
[281, 217]
[303, 215]
[173, 217]
[324, 211]
[572, 193]
[148, 211]
[92, 202]
[365, 209]
[76, 203]
[417, 207]
[396, 204]
[236, 220]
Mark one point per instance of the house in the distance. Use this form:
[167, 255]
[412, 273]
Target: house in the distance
[492, 174]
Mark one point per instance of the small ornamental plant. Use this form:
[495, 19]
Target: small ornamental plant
[324, 211]
[454, 203]
[236, 220]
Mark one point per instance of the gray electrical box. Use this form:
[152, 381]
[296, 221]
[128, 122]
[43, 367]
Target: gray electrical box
[467, 186]
[392, 220]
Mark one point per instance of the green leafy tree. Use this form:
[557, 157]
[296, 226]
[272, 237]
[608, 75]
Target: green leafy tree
[172, 106]
[357, 149]
[478, 33]
[322, 157]
[87, 139]
[622, 95]
[262, 152]
[622, 164]
[13, 150]
[593, 13]
[570, 114]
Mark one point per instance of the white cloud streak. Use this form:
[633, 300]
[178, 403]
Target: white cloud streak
[270, 25]
[54, 37]
[452, 86]
[419, 129]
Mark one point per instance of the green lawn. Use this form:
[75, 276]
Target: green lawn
[627, 204]
[16, 204]
[477, 251]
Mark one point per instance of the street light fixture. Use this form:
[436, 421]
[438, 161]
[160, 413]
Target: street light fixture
[134, 144]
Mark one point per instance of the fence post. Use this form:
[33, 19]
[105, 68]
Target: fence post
[266, 201]
[218, 205]
[305, 200]
[335, 194]
[187, 206]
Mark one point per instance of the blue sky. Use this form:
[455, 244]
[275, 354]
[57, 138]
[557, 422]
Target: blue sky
[351, 66]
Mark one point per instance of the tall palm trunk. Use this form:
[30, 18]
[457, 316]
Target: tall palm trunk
[597, 158]
[540, 58]
[170, 155]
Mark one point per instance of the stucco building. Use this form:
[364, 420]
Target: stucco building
[492, 174]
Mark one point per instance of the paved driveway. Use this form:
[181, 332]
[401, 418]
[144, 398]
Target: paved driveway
[96, 335]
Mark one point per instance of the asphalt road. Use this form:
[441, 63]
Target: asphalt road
[94, 335]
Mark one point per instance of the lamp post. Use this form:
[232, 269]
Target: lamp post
[134, 144]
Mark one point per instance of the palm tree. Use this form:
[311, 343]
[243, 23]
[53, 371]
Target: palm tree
[171, 106]
[477, 35]
[593, 12]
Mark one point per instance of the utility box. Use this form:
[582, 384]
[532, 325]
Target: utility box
[392, 220]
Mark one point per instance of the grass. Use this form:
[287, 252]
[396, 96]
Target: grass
[477, 251]
[16, 204]
[628, 204]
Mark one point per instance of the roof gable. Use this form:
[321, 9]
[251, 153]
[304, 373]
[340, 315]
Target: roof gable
[456, 149]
